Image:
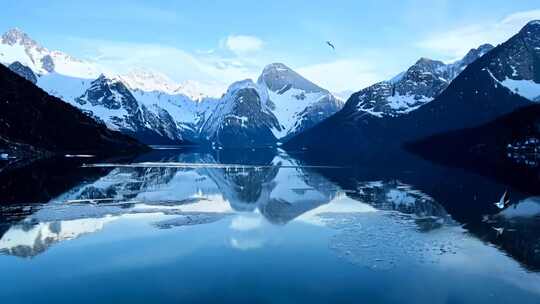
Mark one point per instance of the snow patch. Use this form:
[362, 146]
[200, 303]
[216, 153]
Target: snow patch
[525, 88]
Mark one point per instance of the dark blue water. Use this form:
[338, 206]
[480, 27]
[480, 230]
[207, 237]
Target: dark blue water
[247, 227]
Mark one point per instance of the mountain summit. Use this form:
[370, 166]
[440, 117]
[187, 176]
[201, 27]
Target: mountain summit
[281, 104]
[278, 77]
[297, 103]
[417, 86]
[497, 83]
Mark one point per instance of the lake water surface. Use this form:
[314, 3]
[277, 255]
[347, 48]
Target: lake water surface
[177, 226]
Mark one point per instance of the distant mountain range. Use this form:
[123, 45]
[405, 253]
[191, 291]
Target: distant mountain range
[151, 108]
[35, 123]
[282, 107]
[413, 88]
[425, 101]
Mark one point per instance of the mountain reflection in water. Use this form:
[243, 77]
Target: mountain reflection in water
[271, 187]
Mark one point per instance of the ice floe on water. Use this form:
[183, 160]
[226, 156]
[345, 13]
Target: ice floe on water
[190, 220]
[79, 156]
[383, 240]
[197, 165]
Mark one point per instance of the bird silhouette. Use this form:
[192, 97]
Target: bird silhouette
[331, 45]
[503, 202]
[498, 230]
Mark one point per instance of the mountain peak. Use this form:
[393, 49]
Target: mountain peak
[278, 77]
[276, 67]
[17, 36]
[474, 54]
[531, 28]
[241, 84]
[428, 61]
[533, 23]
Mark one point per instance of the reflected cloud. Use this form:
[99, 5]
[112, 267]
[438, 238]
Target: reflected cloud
[246, 222]
[246, 244]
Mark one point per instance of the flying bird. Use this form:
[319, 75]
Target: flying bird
[331, 45]
[503, 202]
[498, 230]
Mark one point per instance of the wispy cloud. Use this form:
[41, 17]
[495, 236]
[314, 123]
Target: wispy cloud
[210, 68]
[456, 42]
[242, 44]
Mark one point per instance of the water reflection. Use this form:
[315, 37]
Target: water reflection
[278, 189]
[402, 208]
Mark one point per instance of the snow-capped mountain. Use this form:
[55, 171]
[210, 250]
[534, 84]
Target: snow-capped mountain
[110, 101]
[34, 123]
[498, 83]
[297, 103]
[517, 65]
[145, 104]
[281, 104]
[409, 90]
[156, 110]
[241, 118]
[148, 81]
[18, 46]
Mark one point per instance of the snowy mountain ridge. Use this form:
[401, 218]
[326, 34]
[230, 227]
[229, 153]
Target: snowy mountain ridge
[280, 105]
[517, 67]
[411, 89]
[151, 107]
[16, 45]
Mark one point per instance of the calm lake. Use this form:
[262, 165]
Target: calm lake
[264, 226]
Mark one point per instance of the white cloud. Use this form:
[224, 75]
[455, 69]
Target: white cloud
[243, 44]
[456, 42]
[246, 223]
[213, 70]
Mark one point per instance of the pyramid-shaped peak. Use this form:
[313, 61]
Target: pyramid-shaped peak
[17, 36]
[276, 67]
[531, 28]
[533, 23]
[425, 60]
[279, 77]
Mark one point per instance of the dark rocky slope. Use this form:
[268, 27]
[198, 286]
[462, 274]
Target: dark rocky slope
[34, 123]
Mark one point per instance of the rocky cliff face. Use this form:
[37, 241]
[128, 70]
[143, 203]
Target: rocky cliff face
[417, 86]
[35, 123]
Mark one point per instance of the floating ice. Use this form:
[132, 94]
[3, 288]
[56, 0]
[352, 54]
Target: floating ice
[79, 156]
[382, 240]
[190, 220]
[196, 165]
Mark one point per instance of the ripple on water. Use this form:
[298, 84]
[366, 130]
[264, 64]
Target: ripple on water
[383, 240]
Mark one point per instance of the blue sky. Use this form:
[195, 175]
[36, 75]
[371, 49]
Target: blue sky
[222, 41]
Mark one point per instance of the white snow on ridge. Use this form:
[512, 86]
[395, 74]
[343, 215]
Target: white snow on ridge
[64, 87]
[184, 110]
[407, 103]
[144, 80]
[10, 54]
[525, 88]
[289, 106]
[67, 65]
[18, 46]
